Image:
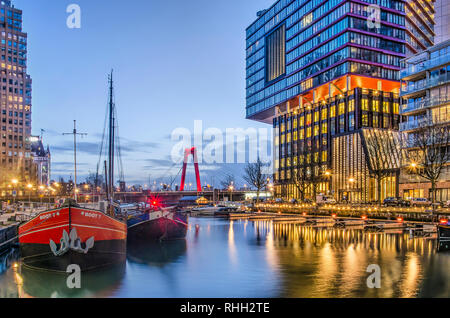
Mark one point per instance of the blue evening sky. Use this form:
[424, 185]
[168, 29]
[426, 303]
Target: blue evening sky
[174, 62]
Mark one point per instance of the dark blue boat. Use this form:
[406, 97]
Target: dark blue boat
[444, 236]
[157, 224]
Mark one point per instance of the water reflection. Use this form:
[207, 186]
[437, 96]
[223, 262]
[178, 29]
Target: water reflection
[333, 262]
[8, 267]
[156, 254]
[254, 259]
[40, 284]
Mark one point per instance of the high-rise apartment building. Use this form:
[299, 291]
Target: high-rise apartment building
[419, 25]
[442, 18]
[326, 74]
[15, 99]
[426, 106]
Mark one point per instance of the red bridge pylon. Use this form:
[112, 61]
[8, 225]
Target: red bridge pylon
[188, 152]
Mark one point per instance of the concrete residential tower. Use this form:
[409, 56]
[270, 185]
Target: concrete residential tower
[15, 99]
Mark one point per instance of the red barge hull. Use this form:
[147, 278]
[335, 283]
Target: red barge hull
[55, 239]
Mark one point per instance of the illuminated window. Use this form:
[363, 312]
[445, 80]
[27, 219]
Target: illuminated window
[385, 121]
[301, 135]
[365, 120]
[308, 132]
[316, 116]
[295, 135]
[307, 84]
[386, 107]
[396, 108]
[316, 157]
[364, 104]
[308, 158]
[341, 109]
[333, 111]
[375, 121]
[308, 119]
[302, 121]
[307, 19]
[376, 105]
[316, 130]
[283, 127]
[295, 123]
[351, 105]
[324, 156]
[283, 139]
[288, 162]
[324, 114]
[324, 128]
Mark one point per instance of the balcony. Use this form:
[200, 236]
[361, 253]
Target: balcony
[424, 103]
[423, 122]
[423, 66]
[425, 84]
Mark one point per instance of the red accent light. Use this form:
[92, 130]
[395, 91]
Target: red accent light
[364, 217]
[154, 201]
[443, 221]
[305, 214]
[334, 215]
[400, 220]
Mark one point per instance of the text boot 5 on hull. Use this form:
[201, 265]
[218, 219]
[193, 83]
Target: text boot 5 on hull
[55, 239]
[157, 225]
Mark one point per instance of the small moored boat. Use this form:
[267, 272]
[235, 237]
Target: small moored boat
[444, 236]
[157, 224]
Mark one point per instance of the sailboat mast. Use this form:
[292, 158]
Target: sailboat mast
[75, 133]
[75, 190]
[111, 139]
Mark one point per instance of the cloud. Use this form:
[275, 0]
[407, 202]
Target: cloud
[90, 148]
[68, 164]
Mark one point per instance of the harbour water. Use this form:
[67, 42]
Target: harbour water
[222, 258]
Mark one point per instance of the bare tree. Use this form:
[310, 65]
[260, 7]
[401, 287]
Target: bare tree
[255, 176]
[427, 149]
[315, 178]
[227, 181]
[300, 180]
[384, 151]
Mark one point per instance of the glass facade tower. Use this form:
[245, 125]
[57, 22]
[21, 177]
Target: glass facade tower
[339, 77]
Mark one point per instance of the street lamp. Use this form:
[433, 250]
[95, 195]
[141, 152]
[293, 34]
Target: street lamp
[231, 188]
[14, 182]
[29, 186]
[41, 188]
